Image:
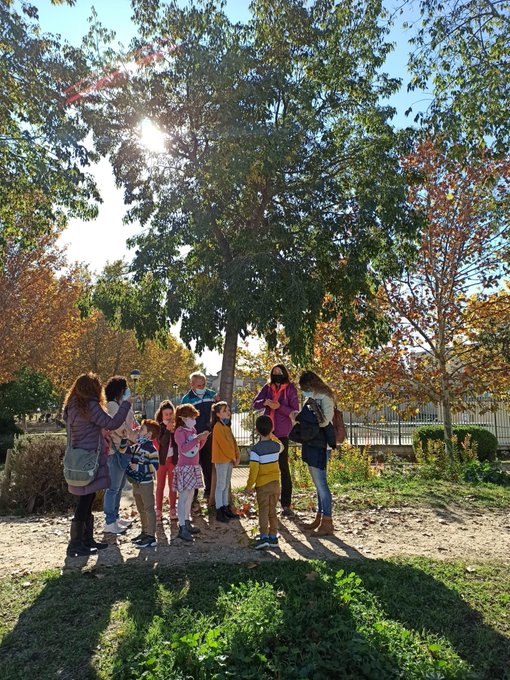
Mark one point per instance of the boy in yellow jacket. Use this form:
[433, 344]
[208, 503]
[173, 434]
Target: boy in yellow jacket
[265, 476]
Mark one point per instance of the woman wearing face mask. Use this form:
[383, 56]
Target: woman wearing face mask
[317, 414]
[280, 402]
[187, 473]
[116, 391]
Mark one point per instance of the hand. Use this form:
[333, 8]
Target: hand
[203, 435]
[273, 405]
[133, 466]
[267, 402]
[236, 462]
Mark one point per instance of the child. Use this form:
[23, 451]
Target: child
[165, 416]
[144, 463]
[225, 454]
[187, 473]
[265, 475]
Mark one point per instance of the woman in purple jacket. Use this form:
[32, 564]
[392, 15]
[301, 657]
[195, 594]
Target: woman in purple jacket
[280, 402]
[85, 416]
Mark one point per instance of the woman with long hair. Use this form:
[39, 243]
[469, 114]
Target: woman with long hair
[319, 408]
[86, 417]
[280, 402]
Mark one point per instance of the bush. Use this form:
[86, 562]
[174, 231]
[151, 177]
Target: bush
[486, 443]
[37, 482]
[346, 464]
[477, 472]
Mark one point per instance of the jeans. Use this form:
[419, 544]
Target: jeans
[319, 478]
[223, 476]
[113, 493]
[286, 479]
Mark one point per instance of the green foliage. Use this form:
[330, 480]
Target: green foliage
[436, 462]
[349, 619]
[37, 481]
[41, 149]
[483, 472]
[347, 464]
[29, 391]
[278, 181]
[485, 442]
[460, 52]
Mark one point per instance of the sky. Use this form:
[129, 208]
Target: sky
[81, 238]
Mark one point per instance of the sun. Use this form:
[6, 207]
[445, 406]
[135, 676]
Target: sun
[151, 137]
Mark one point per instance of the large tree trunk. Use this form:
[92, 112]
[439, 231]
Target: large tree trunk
[228, 364]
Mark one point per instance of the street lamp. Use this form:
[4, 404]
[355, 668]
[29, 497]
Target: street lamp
[175, 386]
[135, 377]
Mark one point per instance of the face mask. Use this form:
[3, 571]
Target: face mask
[189, 422]
[200, 393]
[277, 379]
[127, 394]
[225, 421]
[307, 394]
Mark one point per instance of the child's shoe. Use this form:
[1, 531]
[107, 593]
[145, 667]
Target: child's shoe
[138, 538]
[184, 534]
[147, 542]
[173, 514]
[191, 528]
[273, 541]
[261, 543]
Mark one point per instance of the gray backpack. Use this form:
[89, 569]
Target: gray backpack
[80, 465]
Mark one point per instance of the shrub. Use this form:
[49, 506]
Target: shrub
[435, 463]
[477, 472]
[346, 464]
[486, 442]
[37, 482]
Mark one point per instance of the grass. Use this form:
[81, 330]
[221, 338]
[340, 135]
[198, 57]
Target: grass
[412, 618]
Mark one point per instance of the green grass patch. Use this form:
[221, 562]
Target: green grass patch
[412, 618]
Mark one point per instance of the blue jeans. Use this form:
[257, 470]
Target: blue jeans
[113, 494]
[324, 500]
[223, 475]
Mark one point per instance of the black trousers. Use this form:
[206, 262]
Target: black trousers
[84, 507]
[205, 456]
[286, 479]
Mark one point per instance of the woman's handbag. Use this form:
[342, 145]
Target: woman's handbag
[80, 465]
[339, 426]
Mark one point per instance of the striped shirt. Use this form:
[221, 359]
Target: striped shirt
[264, 467]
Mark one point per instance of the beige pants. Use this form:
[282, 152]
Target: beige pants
[144, 498]
[267, 499]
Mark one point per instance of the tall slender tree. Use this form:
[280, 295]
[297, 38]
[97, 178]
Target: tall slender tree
[277, 181]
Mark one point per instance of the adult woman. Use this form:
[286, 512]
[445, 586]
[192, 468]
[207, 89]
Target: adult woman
[318, 410]
[280, 402]
[165, 416]
[85, 416]
[116, 390]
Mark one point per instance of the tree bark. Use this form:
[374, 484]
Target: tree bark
[228, 363]
[447, 416]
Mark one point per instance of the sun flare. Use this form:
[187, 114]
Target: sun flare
[151, 137]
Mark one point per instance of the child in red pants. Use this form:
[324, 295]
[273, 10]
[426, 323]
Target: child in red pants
[165, 416]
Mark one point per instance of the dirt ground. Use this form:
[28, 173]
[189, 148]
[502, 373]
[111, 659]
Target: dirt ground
[37, 543]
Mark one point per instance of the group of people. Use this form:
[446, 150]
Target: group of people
[184, 444]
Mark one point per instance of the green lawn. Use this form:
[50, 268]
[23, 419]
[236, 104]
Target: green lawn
[412, 618]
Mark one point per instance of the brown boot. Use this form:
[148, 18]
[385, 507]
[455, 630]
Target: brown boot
[316, 522]
[326, 527]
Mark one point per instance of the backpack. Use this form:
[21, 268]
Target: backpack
[80, 465]
[339, 425]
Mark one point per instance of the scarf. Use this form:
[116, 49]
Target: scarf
[276, 392]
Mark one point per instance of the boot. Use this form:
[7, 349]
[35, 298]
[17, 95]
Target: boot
[88, 535]
[220, 516]
[191, 528]
[76, 547]
[184, 534]
[315, 524]
[227, 511]
[326, 527]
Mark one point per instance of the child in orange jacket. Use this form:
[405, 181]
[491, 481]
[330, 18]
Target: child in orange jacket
[225, 454]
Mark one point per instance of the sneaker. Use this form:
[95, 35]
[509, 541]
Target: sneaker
[173, 514]
[288, 512]
[114, 528]
[184, 534]
[147, 542]
[261, 543]
[273, 541]
[138, 538]
[126, 523]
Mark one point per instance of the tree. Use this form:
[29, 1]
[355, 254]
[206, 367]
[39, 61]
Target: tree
[39, 301]
[41, 148]
[462, 50]
[28, 392]
[279, 179]
[462, 250]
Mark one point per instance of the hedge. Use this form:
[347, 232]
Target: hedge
[486, 442]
